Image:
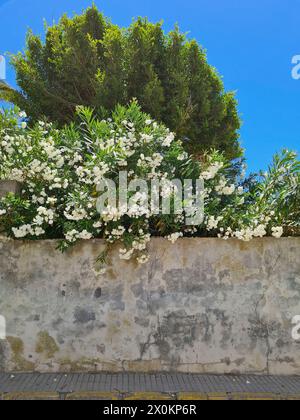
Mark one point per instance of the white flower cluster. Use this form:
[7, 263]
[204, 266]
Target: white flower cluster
[213, 222]
[223, 188]
[25, 230]
[277, 231]
[212, 171]
[60, 171]
[139, 245]
[174, 237]
[74, 235]
[247, 234]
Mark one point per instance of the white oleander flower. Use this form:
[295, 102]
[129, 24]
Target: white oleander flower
[39, 231]
[174, 237]
[260, 231]
[212, 171]
[168, 140]
[22, 231]
[228, 190]
[277, 232]
[85, 235]
[182, 156]
[143, 259]
[213, 222]
[97, 225]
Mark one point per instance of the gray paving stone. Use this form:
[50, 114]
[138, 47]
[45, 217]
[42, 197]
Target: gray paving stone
[130, 383]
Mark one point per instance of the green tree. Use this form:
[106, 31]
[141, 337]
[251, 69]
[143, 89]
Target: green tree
[86, 60]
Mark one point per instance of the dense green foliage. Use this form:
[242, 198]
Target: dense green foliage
[86, 60]
[60, 171]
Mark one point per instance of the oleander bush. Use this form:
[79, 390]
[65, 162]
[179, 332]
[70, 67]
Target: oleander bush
[61, 168]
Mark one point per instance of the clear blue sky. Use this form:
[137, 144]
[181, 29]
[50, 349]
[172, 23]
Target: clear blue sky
[250, 42]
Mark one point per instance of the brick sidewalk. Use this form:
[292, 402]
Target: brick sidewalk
[126, 386]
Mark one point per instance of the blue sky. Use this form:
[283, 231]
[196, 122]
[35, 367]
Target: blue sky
[250, 42]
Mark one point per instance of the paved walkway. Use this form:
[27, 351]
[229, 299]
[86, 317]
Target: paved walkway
[146, 386]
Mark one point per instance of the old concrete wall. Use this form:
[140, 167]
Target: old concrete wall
[202, 305]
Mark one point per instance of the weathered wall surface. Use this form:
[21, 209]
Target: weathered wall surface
[202, 305]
